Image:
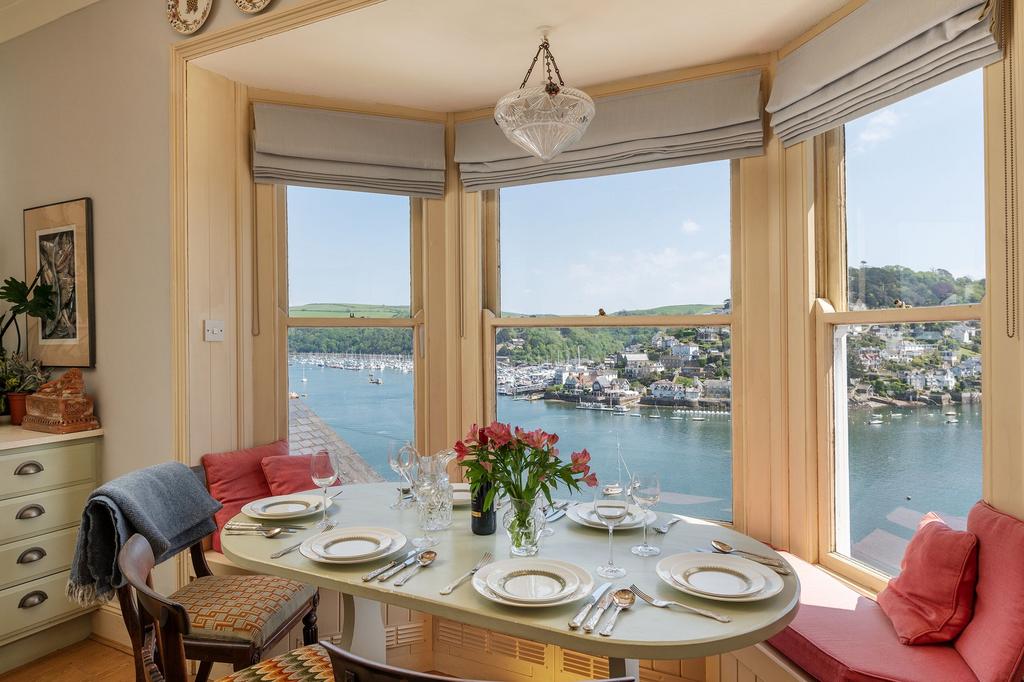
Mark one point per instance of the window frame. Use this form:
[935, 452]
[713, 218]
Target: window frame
[831, 310]
[493, 321]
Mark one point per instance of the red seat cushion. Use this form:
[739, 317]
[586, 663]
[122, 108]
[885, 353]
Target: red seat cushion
[840, 636]
[993, 642]
[932, 599]
[287, 475]
[235, 478]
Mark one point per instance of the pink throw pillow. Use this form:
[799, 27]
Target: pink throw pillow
[932, 599]
[236, 478]
[287, 475]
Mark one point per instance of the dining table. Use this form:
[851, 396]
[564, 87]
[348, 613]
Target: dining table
[642, 632]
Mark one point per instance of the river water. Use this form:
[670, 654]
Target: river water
[898, 469]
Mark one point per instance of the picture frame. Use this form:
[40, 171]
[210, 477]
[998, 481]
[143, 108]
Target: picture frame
[58, 246]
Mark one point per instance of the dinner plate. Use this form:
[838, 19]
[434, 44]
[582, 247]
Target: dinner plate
[679, 564]
[533, 581]
[583, 514]
[395, 541]
[351, 544]
[285, 506]
[585, 587]
[718, 578]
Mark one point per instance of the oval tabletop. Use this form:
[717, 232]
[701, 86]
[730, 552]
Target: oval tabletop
[643, 632]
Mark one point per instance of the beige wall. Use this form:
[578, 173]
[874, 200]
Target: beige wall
[84, 112]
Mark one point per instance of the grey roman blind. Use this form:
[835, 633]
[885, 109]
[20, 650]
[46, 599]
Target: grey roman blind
[700, 120]
[884, 51]
[340, 150]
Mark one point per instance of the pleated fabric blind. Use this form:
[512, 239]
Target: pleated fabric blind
[884, 51]
[701, 120]
[341, 150]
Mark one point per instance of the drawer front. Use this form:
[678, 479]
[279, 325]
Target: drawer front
[29, 470]
[28, 559]
[32, 604]
[31, 515]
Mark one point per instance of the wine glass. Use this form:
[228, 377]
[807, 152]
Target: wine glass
[612, 510]
[427, 502]
[401, 460]
[645, 489]
[323, 473]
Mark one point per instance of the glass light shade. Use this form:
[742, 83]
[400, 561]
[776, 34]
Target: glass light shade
[542, 124]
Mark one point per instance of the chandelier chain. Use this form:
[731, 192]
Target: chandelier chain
[549, 63]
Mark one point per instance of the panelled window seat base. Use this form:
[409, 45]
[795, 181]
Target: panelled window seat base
[839, 635]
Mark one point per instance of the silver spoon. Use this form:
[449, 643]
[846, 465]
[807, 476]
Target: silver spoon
[663, 528]
[623, 600]
[726, 548]
[265, 532]
[424, 560]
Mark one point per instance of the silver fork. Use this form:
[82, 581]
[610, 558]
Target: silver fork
[291, 548]
[664, 604]
[484, 560]
[663, 528]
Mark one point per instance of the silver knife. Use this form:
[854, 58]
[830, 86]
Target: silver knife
[373, 574]
[281, 552]
[602, 606]
[395, 570]
[578, 619]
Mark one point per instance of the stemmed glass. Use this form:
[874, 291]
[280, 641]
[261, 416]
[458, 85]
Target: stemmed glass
[323, 473]
[401, 461]
[612, 510]
[645, 489]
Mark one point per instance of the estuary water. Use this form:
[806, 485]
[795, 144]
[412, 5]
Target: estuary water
[916, 460]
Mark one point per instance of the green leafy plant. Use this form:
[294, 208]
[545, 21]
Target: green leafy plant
[35, 300]
[21, 375]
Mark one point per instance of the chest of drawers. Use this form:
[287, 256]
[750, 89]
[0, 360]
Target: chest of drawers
[45, 480]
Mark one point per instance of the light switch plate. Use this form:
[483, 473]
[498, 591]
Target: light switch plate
[213, 330]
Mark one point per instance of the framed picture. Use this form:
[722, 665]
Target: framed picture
[58, 246]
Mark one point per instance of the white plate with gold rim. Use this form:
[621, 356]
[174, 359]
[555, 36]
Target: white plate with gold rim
[731, 578]
[285, 506]
[585, 587]
[583, 513]
[352, 545]
[533, 581]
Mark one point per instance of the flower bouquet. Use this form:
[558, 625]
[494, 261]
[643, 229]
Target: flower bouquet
[524, 465]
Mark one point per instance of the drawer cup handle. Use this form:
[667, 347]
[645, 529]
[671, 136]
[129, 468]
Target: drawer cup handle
[28, 468]
[31, 555]
[32, 599]
[30, 511]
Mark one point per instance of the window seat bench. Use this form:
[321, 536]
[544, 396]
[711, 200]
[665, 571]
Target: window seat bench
[839, 635]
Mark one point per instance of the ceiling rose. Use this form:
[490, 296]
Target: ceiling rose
[544, 119]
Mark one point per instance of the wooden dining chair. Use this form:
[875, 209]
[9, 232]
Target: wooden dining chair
[214, 619]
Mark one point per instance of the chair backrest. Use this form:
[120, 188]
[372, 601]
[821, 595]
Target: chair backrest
[158, 621]
[351, 668]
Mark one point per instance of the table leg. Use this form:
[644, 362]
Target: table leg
[624, 667]
[362, 628]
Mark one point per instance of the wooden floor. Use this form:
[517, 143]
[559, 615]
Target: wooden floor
[87, 661]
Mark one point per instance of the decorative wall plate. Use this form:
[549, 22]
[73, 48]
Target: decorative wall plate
[252, 6]
[188, 16]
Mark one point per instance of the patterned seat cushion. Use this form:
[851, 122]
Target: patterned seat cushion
[308, 664]
[247, 608]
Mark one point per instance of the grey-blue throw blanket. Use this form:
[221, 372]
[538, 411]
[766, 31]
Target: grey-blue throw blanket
[165, 503]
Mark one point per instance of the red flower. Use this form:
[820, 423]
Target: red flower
[535, 439]
[581, 457]
[499, 434]
[460, 451]
[591, 480]
[552, 438]
[471, 436]
[481, 436]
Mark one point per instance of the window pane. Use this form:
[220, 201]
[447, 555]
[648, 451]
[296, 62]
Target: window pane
[908, 433]
[351, 392]
[654, 242]
[348, 254]
[915, 200]
[659, 398]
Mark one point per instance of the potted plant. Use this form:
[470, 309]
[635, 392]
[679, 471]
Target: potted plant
[36, 300]
[20, 377]
[523, 465]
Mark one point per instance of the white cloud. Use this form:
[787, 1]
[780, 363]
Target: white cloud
[690, 226]
[878, 128]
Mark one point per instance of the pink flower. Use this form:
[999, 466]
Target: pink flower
[460, 451]
[581, 457]
[591, 480]
[580, 468]
[535, 439]
[471, 436]
[552, 438]
[499, 434]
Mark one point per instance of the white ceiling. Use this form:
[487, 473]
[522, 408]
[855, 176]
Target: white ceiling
[454, 55]
[21, 16]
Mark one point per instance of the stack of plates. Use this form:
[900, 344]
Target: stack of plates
[461, 494]
[584, 514]
[533, 583]
[722, 577]
[285, 506]
[352, 545]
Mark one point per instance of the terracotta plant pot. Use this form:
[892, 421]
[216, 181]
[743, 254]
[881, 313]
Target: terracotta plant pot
[16, 404]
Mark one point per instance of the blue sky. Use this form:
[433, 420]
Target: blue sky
[915, 195]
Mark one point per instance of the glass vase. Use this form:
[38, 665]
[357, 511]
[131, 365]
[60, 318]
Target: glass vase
[523, 521]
